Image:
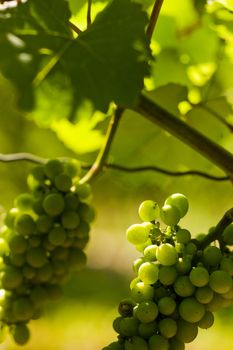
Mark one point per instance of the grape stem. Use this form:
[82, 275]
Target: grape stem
[216, 233]
[17, 157]
[153, 18]
[75, 28]
[89, 4]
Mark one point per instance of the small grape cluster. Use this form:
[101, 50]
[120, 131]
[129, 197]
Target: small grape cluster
[178, 286]
[42, 243]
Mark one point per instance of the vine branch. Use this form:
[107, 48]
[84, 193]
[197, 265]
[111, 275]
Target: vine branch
[19, 157]
[75, 28]
[89, 4]
[153, 18]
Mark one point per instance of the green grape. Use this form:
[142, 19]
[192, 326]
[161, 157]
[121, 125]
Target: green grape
[146, 330]
[129, 326]
[18, 259]
[22, 309]
[17, 244]
[116, 324]
[137, 234]
[10, 217]
[176, 344]
[25, 225]
[212, 256]
[183, 236]
[180, 248]
[157, 342]
[179, 201]
[141, 247]
[39, 296]
[72, 167]
[146, 311]
[125, 307]
[183, 286]
[150, 252]
[53, 204]
[190, 248]
[36, 257]
[44, 223]
[11, 278]
[216, 303]
[45, 273]
[167, 327]
[134, 282]
[207, 320]
[226, 264]
[34, 241]
[228, 234]
[70, 220]
[3, 246]
[29, 272]
[137, 263]
[77, 259]
[38, 173]
[148, 272]
[53, 168]
[24, 202]
[83, 190]
[204, 295]
[199, 276]
[20, 333]
[228, 295]
[80, 243]
[166, 254]
[167, 275]
[38, 206]
[141, 292]
[220, 281]
[183, 265]
[60, 268]
[60, 253]
[166, 305]
[148, 210]
[186, 331]
[136, 343]
[86, 212]
[71, 201]
[191, 310]
[170, 215]
[63, 182]
[160, 292]
[114, 346]
[82, 230]
[57, 236]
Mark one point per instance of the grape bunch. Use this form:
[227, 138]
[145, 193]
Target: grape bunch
[178, 286]
[42, 243]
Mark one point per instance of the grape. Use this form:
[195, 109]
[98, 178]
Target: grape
[148, 210]
[207, 320]
[190, 248]
[70, 220]
[227, 265]
[136, 343]
[83, 190]
[183, 265]
[141, 292]
[150, 252]
[36, 257]
[29, 272]
[10, 217]
[176, 344]
[3, 246]
[146, 330]
[24, 201]
[11, 278]
[53, 168]
[63, 182]
[170, 215]
[45, 273]
[137, 234]
[116, 324]
[199, 276]
[71, 201]
[148, 272]
[77, 259]
[57, 236]
[17, 244]
[125, 307]
[228, 234]
[183, 286]
[53, 204]
[114, 346]
[44, 223]
[20, 333]
[22, 309]
[179, 201]
[228, 295]
[186, 331]
[17, 259]
[39, 296]
[166, 305]
[204, 295]
[25, 225]
[129, 326]
[72, 167]
[38, 173]
[146, 311]
[157, 342]
[220, 281]
[191, 310]
[167, 275]
[216, 303]
[212, 256]
[160, 292]
[137, 263]
[167, 327]
[166, 254]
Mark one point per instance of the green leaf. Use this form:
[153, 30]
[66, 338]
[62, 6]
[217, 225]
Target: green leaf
[105, 63]
[226, 3]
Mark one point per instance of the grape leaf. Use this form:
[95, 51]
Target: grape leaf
[106, 63]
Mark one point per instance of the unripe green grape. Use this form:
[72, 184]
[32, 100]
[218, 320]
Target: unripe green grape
[150, 252]
[24, 202]
[167, 327]
[129, 326]
[38, 173]
[146, 330]
[191, 310]
[11, 278]
[226, 265]
[114, 346]
[125, 307]
[190, 248]
[45, 273]
[160, 292]
[38, 206]
[25, 225]
[170, 215]
[134, 282]
[157, 342]
[71, 201]
[83, 190]
[34, 241]
[57, 236]
[82, 231]
[207, 320]
[216, 303]
[183, 265]
[186, 331]
[166, 254]
[146, 311]
[166, 305]
[212, 256]
[80, 243]
[137, 234]
[137, 263]
[20, 333]
[39, 296]
[53, 204]
[3, 247]
[167, 275]
[204, 295]
[228, 234]
[228, 295]
[44, 223]
[36, 257]
[48, 246]
[17, 244]
[60, 268]
[116, 324]
[183, 236]
[148, 210]
[199, 276]
[70, 220]
[29, 272]
[63, 182]
[53, 168]
[72, 167]
[141, 292]
[22, 309]
[18, 259]
[136, 343]
[148, 272]
[180, 248]
[183, 286]
[176, 344]
[77, 259]
[86, 212]
[60, 253]
[220, 281]
[141, 247]
[179, 201]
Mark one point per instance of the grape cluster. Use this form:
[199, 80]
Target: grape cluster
[178, 286]
[42, 243]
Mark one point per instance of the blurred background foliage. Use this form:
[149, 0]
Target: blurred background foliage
[193, 50]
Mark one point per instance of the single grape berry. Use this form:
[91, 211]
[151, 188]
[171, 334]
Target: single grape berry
[148, 210]
[179, 201]
[170, 215]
